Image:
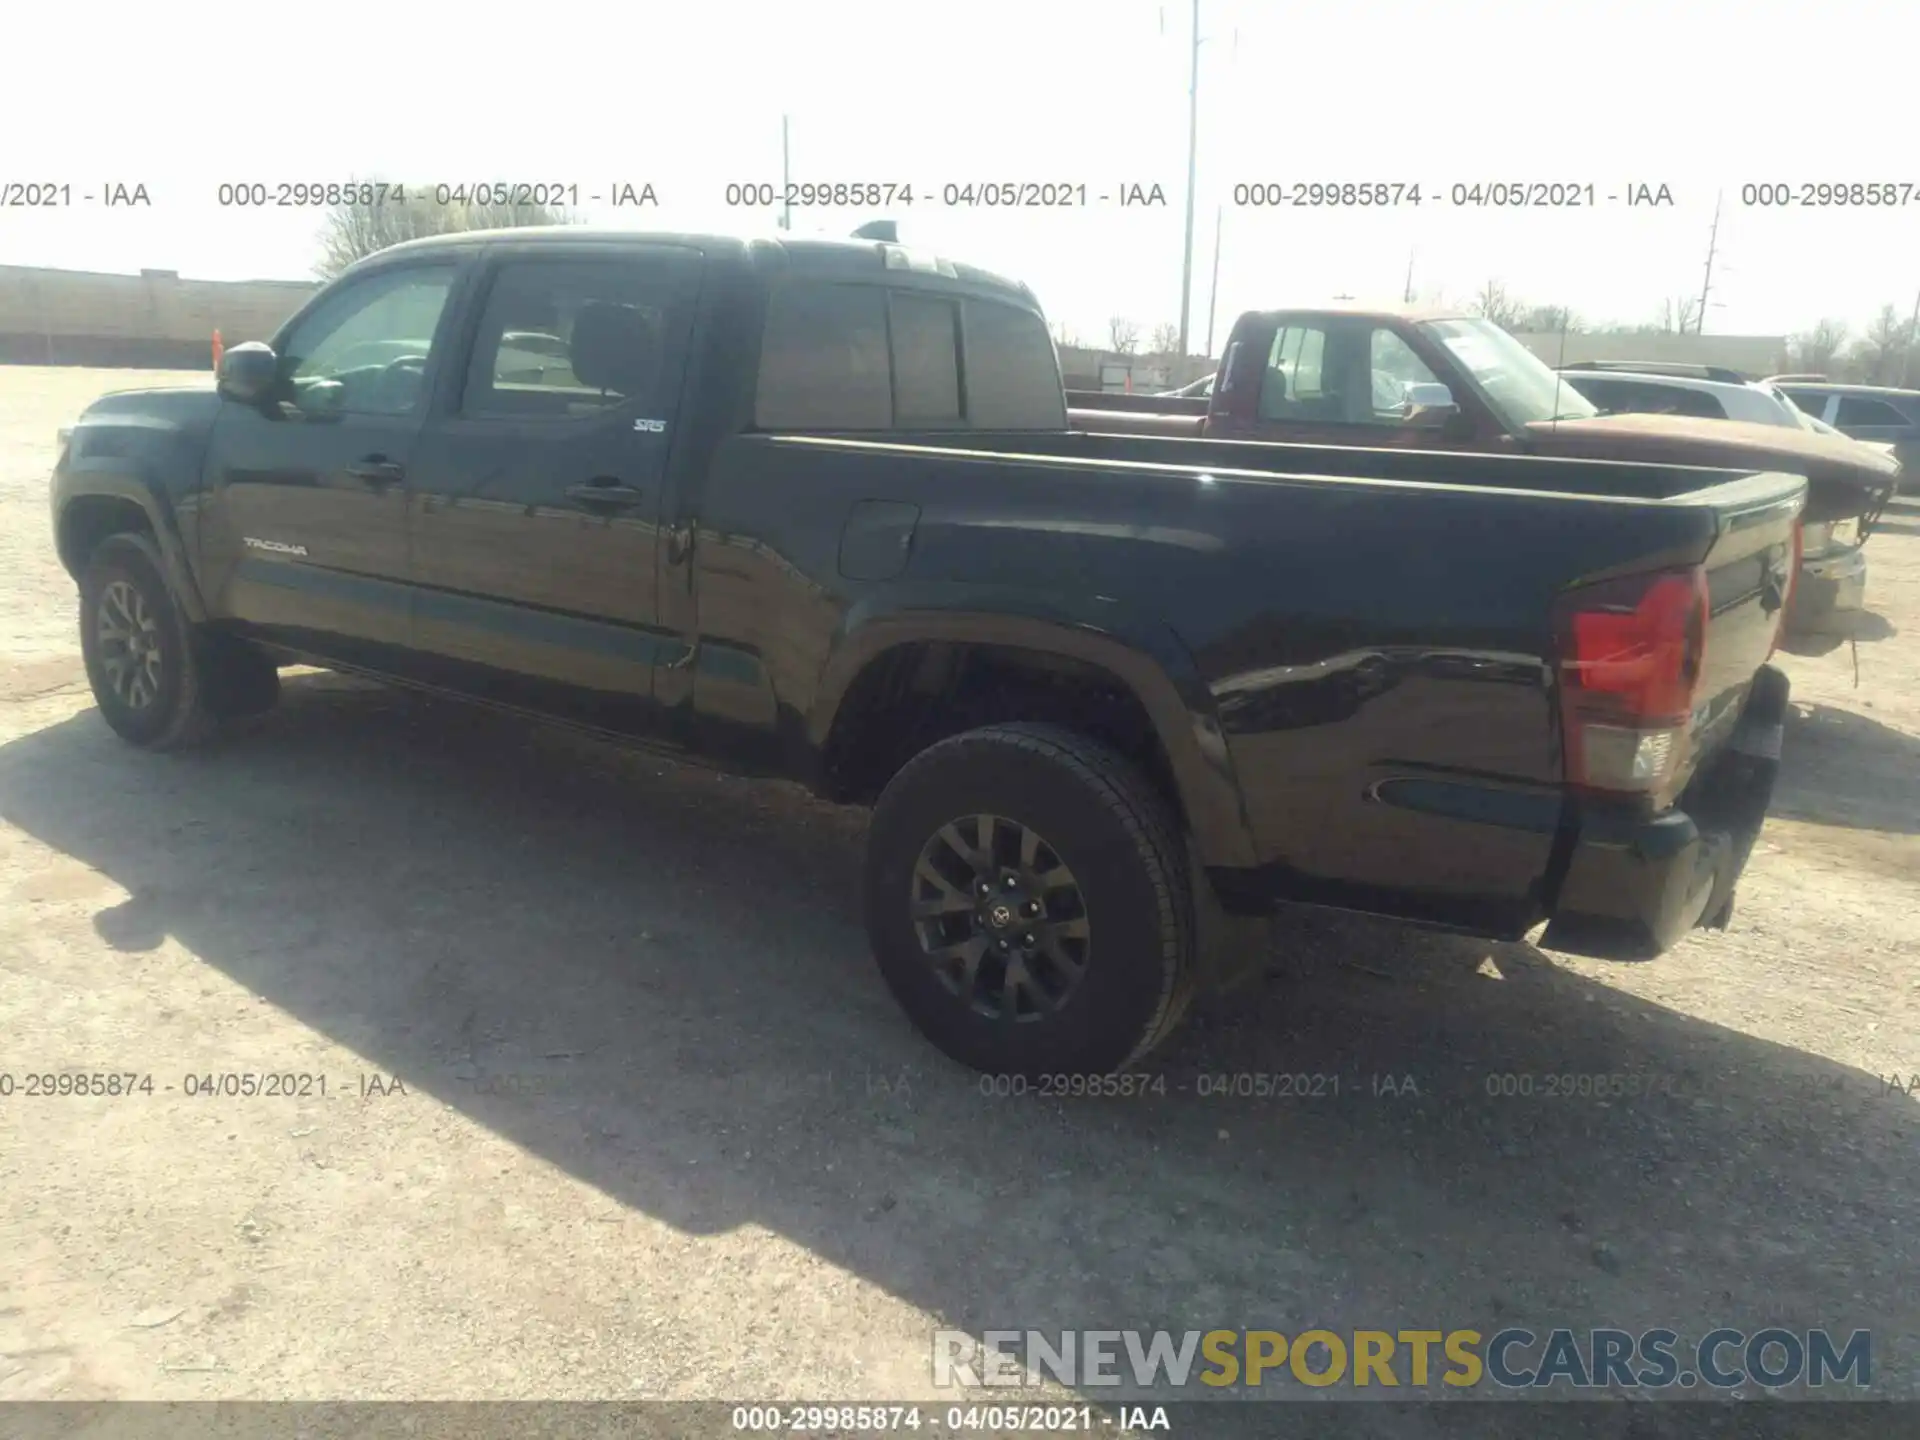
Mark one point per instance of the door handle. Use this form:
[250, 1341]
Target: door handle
[377, 470]
[605, 493]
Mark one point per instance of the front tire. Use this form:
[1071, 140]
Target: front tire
[160, 683]
[1029, 904]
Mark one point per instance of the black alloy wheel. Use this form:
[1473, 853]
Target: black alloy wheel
[1000, 917]
[1028, 902]
[127, 638]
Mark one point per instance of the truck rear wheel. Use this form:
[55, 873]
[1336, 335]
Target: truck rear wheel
[160, 683]
[1029, 904]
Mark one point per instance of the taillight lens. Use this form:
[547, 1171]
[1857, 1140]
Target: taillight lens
[1631, 653]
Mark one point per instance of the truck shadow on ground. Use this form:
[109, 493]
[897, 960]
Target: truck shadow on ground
[1865, 628]
[654, 978]
[1895, 522]
[1844, 768]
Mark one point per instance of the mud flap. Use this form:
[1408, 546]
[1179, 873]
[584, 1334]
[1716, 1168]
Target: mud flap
[1230, 951]
[1744, 790]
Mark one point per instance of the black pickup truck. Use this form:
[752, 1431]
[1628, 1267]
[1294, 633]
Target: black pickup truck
[811, 509]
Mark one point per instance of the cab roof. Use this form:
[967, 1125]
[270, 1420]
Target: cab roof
[822, 257]
[1411, 313]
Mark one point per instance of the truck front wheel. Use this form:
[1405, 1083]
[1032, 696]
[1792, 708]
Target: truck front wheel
[1029, 904]
[159, 682]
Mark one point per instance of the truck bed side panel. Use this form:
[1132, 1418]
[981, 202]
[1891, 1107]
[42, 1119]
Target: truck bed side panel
[1374, 655]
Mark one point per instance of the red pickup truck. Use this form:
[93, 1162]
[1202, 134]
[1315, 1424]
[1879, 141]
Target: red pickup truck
[1431, 380]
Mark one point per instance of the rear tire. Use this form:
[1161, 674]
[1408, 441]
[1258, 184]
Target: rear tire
[160, 683]
[1091, 966]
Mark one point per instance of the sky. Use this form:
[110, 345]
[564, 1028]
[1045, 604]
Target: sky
[1705, 98]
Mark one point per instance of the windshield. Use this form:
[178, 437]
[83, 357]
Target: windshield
[1520, 387]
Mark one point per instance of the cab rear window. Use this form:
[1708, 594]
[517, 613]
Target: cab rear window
[838, 356]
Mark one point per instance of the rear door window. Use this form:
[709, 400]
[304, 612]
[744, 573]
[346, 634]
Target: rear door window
[1865, 412]
[1609, 395]
[572, 338]
[823, 359]
[1641, 397]
[1812, 401]
[1677, 400]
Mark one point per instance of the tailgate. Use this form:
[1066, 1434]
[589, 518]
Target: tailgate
[1750, 570]
[1673, 721]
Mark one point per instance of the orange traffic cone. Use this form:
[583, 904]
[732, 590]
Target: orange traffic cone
[217, 348]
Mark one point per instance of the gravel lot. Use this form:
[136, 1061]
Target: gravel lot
[617, 1108]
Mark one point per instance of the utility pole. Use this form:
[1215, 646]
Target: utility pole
[1406, 294]
[1213, 288]
[1706, 284]
[1193, 157]
[786, 178]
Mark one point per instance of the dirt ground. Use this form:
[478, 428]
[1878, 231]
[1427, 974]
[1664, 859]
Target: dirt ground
[616, 1106]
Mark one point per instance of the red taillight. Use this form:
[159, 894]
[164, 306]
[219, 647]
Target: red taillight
[1631, 653]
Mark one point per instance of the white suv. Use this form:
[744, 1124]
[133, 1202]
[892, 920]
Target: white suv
[1715, 395]
[1832, 550]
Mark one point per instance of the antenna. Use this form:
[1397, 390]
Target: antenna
[1406, 294]
[1559, 369]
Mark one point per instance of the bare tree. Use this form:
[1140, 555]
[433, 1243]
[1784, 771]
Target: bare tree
[1677, 315]
[1814, 351]
[1166, 339]
[1877, 356]
[351, 232]
[1123, 335]
[1547, 320]
[1495, 304]
[1065, 337]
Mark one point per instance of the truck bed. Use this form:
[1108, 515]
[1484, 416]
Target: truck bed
[1371, 632]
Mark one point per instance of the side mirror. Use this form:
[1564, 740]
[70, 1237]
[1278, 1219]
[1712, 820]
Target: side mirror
[1430, 403]
[248, 373]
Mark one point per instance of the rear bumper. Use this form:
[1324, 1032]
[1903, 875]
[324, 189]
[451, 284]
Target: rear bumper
[1634, 886]
[1832, 587]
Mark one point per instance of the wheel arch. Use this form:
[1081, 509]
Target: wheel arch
[1143, 660]
[115, 503]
